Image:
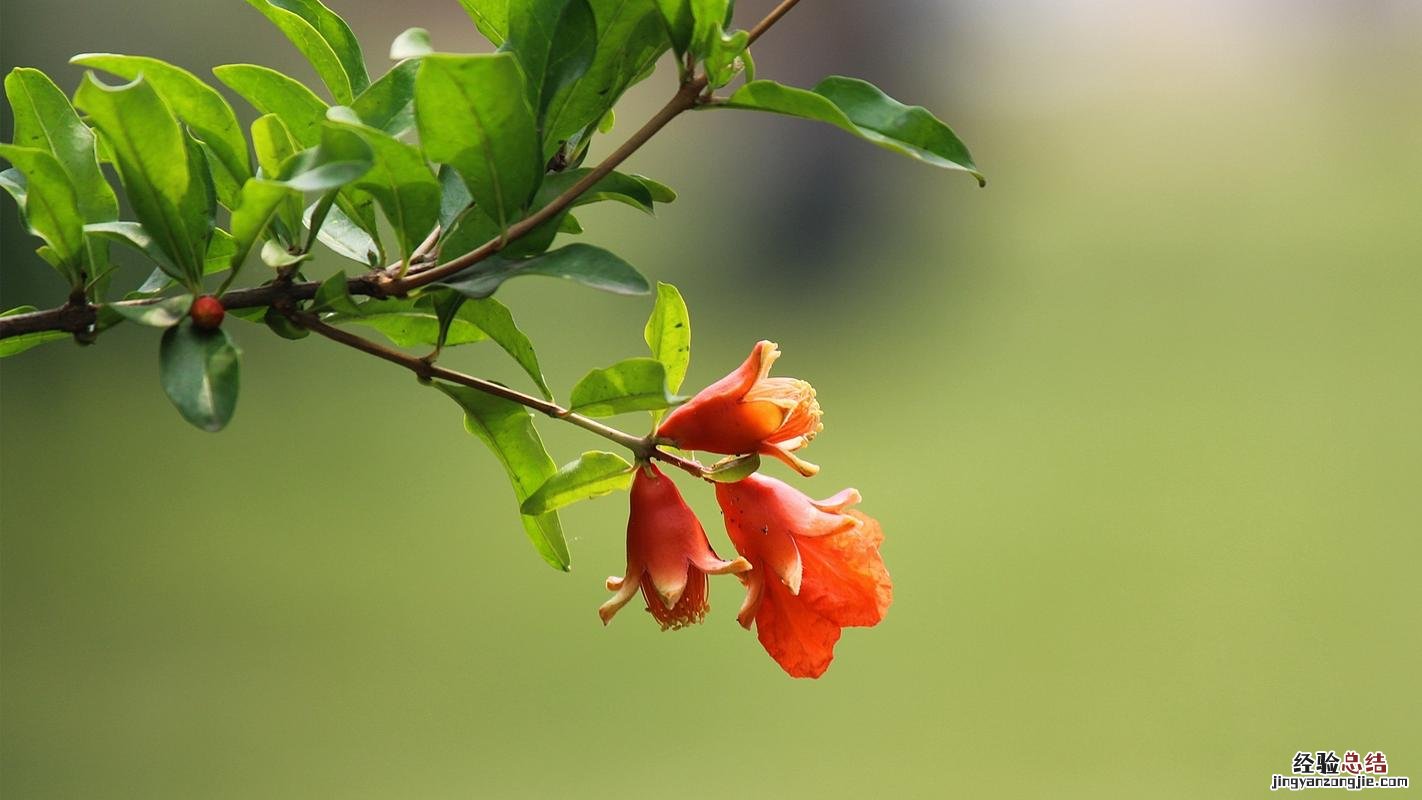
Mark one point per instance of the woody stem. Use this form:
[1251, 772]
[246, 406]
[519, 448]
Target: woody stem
[643, 448]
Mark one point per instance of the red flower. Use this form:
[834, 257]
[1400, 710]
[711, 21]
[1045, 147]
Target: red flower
[667, 555]
[748, 412]
[817, 569]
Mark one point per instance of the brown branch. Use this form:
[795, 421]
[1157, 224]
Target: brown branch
[642, 448]
[683, 100]
[80, 318]
[770, 19]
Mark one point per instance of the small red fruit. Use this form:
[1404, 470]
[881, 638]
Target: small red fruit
[207, 313]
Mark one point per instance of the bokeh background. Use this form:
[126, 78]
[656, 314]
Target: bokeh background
[1141, 421]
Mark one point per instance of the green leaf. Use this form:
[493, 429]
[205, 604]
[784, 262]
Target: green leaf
[51, 209]
[472, 116]
[594, 474]
[155, 162]
[555, 41]
[282, 326]
[220, 249]
[475, 228]
[163, 314]
[733, 468]
[271, 92]
[861, 109]
[200, 372]
[13, 182]
[399, 180]
[326, 41]
[12, 345]
[410, 322]
[507, 428]
[205, 111]
[630, 38]
[494, 319]
[334, 295]
[660, 192]
[274, 145]
[257, 205]
[413, 43]
[346, 238]
[679, 21]
[45, 119]
[580, 263]
[491, 17]
[668, 334]
[637, 384]
[389, 103]
[708, 19]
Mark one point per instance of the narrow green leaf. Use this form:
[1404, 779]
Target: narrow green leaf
[581, 263]
[410, 322]
[200, 372]
[389, 103]
[679, 21]
[220, 249]
[271, 92]
[13, 182]
[491, 17]
[334, 295]
[399, 180]
[454, 198]
[660, 192]
[275, 146]
[863, 110]
[205, 111]
[256, 206]
[413, 43]
[163, 314]
[507, 428]
[555, 41]
[475, 228]
[51, 208]
[155, 162]
[346, 238]
[708, 19]
[282, 326]
[45, 119]
[494, 319]
[637, 384]
[12, 345]
[594, 474]
[326, 41]
[734, 468]
[668, 334]
[630, 38]
[468, 118]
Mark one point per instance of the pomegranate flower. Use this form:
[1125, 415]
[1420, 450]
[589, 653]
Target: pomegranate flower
[668, 556]
[749, 412]
[817, 569]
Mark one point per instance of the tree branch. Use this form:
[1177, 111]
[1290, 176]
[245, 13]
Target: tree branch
[80, 318]
[641, 447]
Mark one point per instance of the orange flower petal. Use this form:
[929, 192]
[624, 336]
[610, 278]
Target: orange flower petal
[845, 579]
[801, 641]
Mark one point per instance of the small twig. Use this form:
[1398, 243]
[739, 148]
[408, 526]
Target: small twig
[380, 283]
[770, 19]
[641, 447]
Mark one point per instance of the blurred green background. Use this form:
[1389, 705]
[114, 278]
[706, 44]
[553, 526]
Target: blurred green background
[1140, 421]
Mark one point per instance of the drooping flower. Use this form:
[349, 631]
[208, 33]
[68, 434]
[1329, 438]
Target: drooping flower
[668, 556]
[749, 412]
[816, 564]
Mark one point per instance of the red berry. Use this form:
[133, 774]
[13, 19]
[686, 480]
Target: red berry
[207, 313]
